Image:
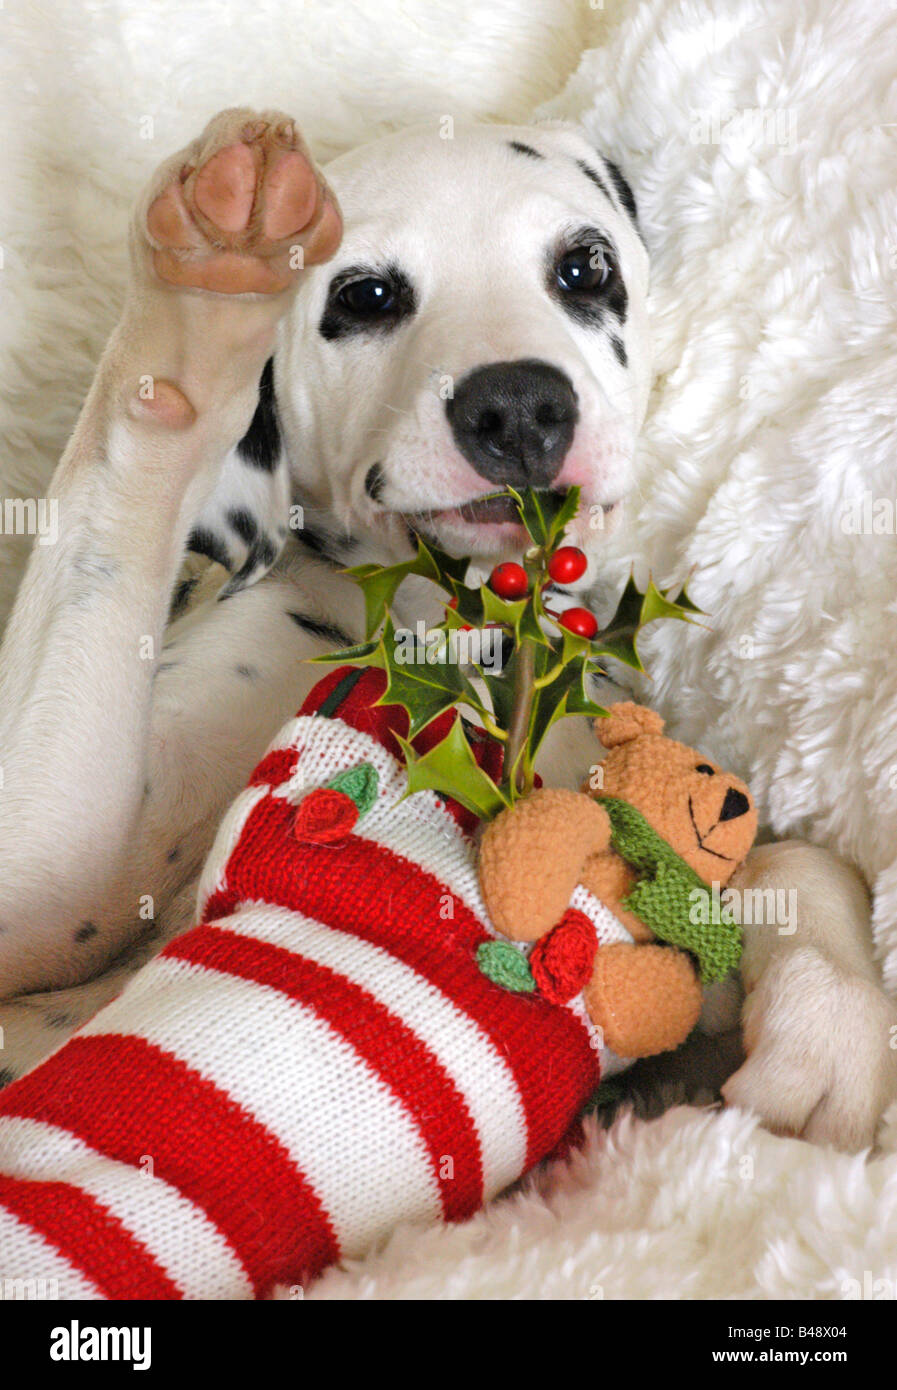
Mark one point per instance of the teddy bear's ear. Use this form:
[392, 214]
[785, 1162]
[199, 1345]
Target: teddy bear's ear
[626, 722]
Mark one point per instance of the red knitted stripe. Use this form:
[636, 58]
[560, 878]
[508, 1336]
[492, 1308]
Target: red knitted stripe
[126, 1098]
[89, 1236]
[275, 767]
[366, 889]
[389, 1047]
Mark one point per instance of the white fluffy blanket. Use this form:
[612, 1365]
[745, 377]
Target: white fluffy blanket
[760, 138]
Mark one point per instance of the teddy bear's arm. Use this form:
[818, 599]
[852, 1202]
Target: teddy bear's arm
[645, 999]
[609, 879]
[531, 859]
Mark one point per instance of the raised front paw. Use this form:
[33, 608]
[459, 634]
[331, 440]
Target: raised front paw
[241, 210]
[821, 1062]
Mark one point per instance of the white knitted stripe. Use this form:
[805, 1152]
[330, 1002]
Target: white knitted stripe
[328, 746]
[26, 1255]
[214, 874]
[343, 1128]
[178, 1235]
[609, 930]
[608, 927]
[419, 829]
[464, 1051]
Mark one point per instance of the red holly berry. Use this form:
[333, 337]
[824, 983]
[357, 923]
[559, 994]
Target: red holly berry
[509, 580]
[567, 565]
[561, 963]
[580, 621]
[324, 817]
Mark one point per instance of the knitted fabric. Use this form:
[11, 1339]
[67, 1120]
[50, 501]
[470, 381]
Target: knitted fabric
[664, 897]
[318, 1059]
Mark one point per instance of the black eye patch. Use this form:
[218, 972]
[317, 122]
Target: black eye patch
[366, 300]
[584, 277]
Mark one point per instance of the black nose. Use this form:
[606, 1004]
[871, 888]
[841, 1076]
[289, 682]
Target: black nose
[514, 421]
[734, 805]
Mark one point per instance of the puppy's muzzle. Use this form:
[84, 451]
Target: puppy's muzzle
[514, 421]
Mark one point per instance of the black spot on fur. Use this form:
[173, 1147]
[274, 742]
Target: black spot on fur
[596, 178]
[205, 542]
[624, 192]
[521, 148]
[182, 596]
[7, 1077]
[60, 1020]
[86, 931]
[375, 482]
[244, 523]
[338, 321]
[619, 350]
[328, 547]
[329, 631]
[262, 555]
[249, 673]
[173, 854]
[260, 445]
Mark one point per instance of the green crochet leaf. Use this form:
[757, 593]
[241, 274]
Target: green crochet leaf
[360, 783]
[504, 965]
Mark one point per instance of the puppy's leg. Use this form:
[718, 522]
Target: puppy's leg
[215, 249]
[820, 1032]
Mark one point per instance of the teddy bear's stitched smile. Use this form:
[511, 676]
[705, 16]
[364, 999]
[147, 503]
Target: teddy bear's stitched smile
[701, 845]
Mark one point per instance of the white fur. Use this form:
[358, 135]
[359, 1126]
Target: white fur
[809, 715]
[697, 1204]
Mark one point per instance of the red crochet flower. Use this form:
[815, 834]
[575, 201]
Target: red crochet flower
[562, 961]
[324, 817]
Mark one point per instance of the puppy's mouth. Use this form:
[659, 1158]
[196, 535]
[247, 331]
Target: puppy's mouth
[493, 509]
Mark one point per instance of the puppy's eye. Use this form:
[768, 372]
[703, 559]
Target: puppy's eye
[707, 770]
[584, 270]
[368, 297]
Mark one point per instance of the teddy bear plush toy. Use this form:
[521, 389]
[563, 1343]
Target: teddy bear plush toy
[650, 845]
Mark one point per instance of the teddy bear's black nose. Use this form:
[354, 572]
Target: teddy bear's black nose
[735, 804]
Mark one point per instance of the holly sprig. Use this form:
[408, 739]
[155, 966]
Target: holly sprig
[544, 679]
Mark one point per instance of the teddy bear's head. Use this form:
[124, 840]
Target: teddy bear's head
[704, 813]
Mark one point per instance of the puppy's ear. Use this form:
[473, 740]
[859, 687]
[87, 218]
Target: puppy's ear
[627, 721]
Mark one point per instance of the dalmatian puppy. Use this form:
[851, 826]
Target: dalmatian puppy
[310, 367]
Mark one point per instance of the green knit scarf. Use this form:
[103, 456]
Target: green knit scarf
[665, 896]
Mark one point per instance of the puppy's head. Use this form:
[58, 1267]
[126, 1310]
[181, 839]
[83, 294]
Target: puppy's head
[482, 324]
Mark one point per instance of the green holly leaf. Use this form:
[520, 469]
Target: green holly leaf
[449, 767]
[424, 688]
[656, 603]
[634, 611]
[506, 612]
[546, 514]
[580, 702]
[530, 626]
[500, 689]
[363, 654]
[379, 583]
[504, 965]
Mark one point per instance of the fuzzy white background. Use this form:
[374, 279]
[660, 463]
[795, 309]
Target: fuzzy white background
[775, 312]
